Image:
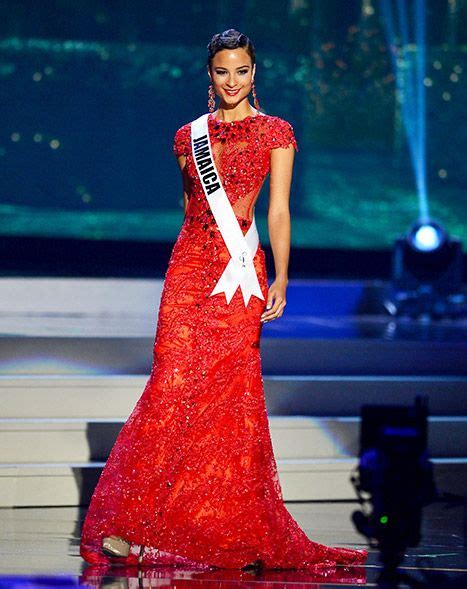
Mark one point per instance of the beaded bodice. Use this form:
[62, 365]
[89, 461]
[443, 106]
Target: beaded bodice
[241, 151]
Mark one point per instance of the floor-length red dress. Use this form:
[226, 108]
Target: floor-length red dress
[192, 475]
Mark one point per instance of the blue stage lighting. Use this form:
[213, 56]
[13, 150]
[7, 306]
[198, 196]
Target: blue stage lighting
[427, 274]
[426, 237]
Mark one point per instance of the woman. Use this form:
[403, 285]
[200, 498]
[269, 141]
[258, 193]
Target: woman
[192, 478]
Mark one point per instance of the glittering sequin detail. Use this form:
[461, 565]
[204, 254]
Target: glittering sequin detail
[242, 152]
[192, 474]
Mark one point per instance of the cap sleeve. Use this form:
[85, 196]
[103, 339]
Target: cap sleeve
[182, 141]
[282, 134]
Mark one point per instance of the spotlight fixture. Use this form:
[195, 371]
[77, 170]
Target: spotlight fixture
[426, 237]
[427, 272]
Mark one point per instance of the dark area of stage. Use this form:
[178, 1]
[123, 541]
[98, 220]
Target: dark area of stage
[38, 256]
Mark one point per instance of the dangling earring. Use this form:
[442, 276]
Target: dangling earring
[255, 99]
[211, 99]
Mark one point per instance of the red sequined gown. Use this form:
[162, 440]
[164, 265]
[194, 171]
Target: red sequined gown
[192, 475]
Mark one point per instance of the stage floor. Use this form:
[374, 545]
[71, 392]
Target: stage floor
[40, 543]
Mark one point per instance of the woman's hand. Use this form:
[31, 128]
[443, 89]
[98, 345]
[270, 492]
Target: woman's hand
[276, 300]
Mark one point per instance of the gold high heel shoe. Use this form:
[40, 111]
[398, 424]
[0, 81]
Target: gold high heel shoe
[115, 546]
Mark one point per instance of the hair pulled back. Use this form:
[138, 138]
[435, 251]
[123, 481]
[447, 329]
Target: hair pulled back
[230, 39]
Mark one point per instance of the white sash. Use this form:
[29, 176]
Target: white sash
[240, 270]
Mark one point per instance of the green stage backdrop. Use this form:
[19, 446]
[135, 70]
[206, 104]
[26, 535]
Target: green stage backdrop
[92, 94]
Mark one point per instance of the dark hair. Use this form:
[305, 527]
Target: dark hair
[230, 39]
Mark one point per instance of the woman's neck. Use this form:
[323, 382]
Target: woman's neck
[236, 113]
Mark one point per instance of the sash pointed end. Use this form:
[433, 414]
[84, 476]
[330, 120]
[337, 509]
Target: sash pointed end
[219, 288]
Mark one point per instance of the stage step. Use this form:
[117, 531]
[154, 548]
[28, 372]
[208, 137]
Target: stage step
[80, 440]
[114, 396]
[50, 484]
[72, 484]
[309, 354]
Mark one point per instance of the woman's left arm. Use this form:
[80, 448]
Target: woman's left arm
[279, 228]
